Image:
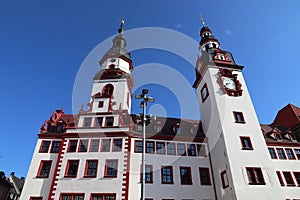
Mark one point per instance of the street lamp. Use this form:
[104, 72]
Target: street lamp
[143, 105]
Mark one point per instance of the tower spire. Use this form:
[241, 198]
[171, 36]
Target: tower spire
[122, 21]
[202, 20]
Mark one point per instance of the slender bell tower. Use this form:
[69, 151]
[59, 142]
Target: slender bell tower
[241, 166]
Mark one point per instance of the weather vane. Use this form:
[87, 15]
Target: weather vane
[122, 21]
[202, 20]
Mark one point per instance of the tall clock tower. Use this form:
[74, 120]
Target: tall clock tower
[241, 166]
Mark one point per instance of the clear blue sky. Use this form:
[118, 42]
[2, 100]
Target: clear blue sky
[43, 43]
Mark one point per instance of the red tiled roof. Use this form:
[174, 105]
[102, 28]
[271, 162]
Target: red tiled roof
[287, 116]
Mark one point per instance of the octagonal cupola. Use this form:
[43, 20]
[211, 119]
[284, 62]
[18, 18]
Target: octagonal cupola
[208, 41]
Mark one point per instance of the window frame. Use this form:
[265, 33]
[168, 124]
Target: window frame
[92, 145]
[42, 146]
[100, 104]
[150, 174]
[81, 144]
[97, 124]
[160, 151]
[167, 175]
[105, 147]
[153, 147]
[119, 149]
[236, 115]
[297, 154]
[35, 198]
[52, 146]
[106, 175]
[138, 147]
[297, 177]
[292, 184]
[84, 124]
[254, 172]
[42, 162]
[201, 150]
[283, 153]
[107, 121]
[188, 150]
[244, 146]
[68, 168]
[103, 195]
[189, 175]
[178, 149]
[291, 153]
[279, 176]
[168, 149]
[224, 179]
[69, 146]
[72, 195]
[86, 171]
[274, 152]
[207, 171]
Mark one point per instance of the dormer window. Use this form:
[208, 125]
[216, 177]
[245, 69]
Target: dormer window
[292, 137]
[177, 128]
[278, 136]
[140, 127]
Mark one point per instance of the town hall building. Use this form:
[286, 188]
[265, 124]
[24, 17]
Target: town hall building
[227, 155]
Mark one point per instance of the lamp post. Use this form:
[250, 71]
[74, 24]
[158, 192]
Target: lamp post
[143, 105]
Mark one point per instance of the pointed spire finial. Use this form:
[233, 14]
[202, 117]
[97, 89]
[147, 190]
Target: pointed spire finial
[202, 20]
[122, 21]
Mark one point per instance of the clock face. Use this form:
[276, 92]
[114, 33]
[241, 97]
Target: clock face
[229, 83]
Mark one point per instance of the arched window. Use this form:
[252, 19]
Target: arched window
[108, 89]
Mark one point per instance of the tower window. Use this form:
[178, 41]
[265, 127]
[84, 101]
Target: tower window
[167, 175]
[108, 89]
[280, 178]
[109, 121]
[99, 121]
[72, 146]
[204, 176]
[272, 153]
[185, 176]
[239, 117]
[94, 146]
[44, 169]
[224, 179]
[45, 146]
[100, 104]
[83, 145]
[246, 143]
[255, 176]
[87, 122]
[105, 145]
[72, 168]
[117, 145]
[111, 168]
[290, 154]
[288, 178]
[91, 168]
[55, 146]
[280, 153]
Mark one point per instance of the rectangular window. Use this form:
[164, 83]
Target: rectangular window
[83, 145]
[100, 104]
[204, 176]
[87, 122]
[246, 143]
[239, 117]
[280, 153]
[72, 168]
[149, 147]
[224, 178]
[34, 198]
[91, 168]
[297, 152]
[201, 150]
[111, 168]
[280, 178]
[71, 196]
[138, 146]
[148, 174]
[44, 169]
[109, 121]
[272, 153]
[55, 146]
[117, 145]
[72, 146]
[290, 154]
[181, 149]
[45, 146]
[94, 146]
[160, 148]
[255, 176]
[103, 196]
[191, 150]
[99, 121]
[167, 175]
[185, 176]
[288, 178]
[171, 149]
[297, 176]
[105, 147]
